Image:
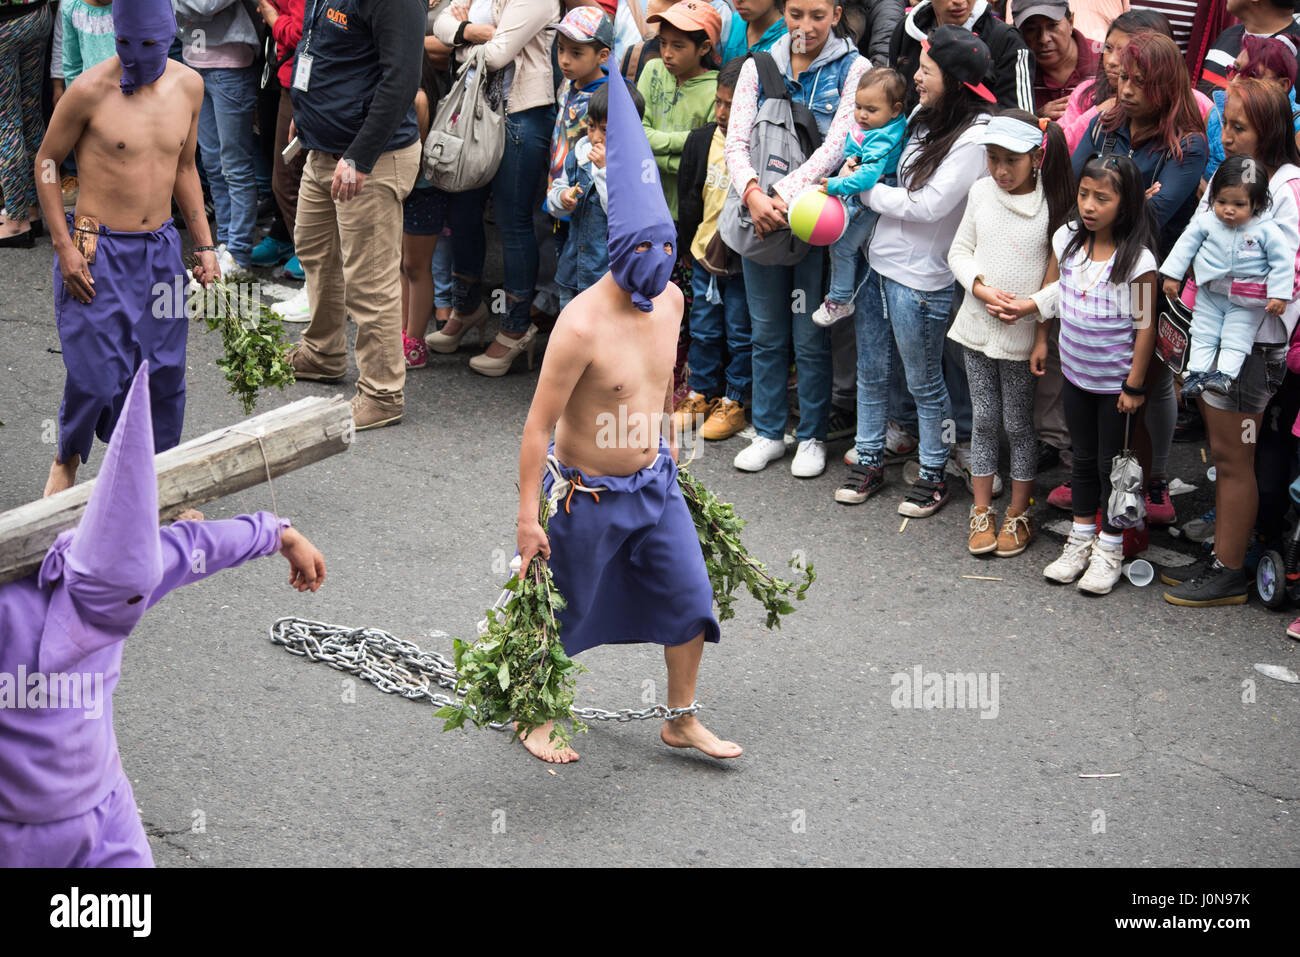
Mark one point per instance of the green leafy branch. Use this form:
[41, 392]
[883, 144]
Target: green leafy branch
[728, 562]
[519, 669]
[251, 335]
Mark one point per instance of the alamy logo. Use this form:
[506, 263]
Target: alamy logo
[926, 690]
[56, 690]
[103, 910]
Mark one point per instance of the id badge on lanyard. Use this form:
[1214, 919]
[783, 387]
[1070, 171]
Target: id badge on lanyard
[302, 68]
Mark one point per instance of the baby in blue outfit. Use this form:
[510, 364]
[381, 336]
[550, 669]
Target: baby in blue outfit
[1243, 268]
[871, 152]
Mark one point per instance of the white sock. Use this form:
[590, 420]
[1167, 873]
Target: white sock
[1082, 530]
[1114, 540]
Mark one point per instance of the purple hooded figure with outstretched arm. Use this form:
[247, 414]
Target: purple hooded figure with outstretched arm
[64, 798]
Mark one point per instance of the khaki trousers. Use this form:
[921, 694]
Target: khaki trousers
[1049, 406]
[352, 255]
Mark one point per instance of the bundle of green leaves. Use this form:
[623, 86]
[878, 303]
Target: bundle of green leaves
[729, 563]
[252, 336]
[518, 671]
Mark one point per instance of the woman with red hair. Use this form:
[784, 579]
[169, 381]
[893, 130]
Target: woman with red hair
[1257, 123]
[1157, 123]
[1261, 58]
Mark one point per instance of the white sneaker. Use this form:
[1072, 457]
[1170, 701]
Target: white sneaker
[851, 456]
[959, 466]
[295, 309]
[1103, 568]
[809, 460]
[899, 445]
[1074, 558]
[230, 270]
[759, 454]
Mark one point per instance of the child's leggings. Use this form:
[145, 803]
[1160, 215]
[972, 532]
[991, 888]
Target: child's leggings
[1097, 433]
[1001, 395]
[1224, 324]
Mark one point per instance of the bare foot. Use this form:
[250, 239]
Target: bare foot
[539, 743]
[687, 732]
[62, 475]
[189, 515]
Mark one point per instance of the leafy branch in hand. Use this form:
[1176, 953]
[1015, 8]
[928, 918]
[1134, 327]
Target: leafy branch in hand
[728, 562]
[251, 335]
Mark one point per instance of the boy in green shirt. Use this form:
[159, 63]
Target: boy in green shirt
[679, 88]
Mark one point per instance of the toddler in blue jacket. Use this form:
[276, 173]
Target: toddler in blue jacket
[871, 152]
[1243, 267]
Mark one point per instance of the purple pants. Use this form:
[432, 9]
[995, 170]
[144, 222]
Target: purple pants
[108, 835]
[137, 313]
[629, 565]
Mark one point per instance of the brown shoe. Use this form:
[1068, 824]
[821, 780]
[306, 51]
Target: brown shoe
[1017, 530]
[369, 414]
[693, 410]
[983, 539]
[305, 367]
[727, 419]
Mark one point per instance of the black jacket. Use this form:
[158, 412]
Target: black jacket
[1012, 79]
[691, 172]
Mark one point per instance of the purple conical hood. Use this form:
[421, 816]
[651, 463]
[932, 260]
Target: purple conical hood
[638, 212]
[144, 30]
[117, 538]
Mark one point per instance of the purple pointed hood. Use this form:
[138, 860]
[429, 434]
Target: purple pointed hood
[116, 544]
[638, 212]
[145, 30]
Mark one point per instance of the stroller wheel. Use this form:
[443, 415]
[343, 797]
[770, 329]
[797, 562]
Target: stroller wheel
[1270, 579]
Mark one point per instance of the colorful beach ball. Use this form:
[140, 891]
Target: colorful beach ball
[818, 219]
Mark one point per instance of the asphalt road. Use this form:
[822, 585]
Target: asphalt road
[241, 754]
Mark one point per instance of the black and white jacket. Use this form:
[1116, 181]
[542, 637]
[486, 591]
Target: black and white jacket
[1012, 78]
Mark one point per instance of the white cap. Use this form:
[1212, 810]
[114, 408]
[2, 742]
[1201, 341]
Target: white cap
[1012, 134]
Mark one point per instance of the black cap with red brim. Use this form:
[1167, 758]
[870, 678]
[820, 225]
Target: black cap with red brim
[962, 55]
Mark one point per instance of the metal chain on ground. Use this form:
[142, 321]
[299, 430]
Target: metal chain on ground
[397, 666]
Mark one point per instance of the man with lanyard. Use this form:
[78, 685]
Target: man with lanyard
[355, 75]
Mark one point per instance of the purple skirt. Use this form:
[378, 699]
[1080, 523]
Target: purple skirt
[137, 313]
[629, 565]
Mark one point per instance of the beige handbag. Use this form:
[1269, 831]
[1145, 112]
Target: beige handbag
[468, 132]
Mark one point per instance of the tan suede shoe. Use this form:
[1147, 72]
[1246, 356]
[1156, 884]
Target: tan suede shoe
[983, 538]
[1017, 532]
[726, 420]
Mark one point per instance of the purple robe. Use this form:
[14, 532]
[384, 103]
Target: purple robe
[136, 315]
[629, 565]
[64, 799]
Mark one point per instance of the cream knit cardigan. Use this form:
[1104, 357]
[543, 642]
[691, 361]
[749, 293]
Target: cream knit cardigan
[1002, 241]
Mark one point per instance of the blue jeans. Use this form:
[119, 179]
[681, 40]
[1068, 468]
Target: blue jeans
[902, 410]
[781, 300]
[226, 142]
[846, 253]
[712, 324]
[892, 320]
[524, 162]
[442, 281]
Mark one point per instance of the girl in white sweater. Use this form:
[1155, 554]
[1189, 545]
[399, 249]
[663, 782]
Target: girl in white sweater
[1002, 252]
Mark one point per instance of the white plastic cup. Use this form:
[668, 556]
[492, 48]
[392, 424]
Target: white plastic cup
[1139, 572]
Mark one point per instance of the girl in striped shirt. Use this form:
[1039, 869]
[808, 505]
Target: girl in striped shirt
[1105, 298]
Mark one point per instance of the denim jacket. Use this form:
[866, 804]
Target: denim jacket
[818, 87]
[585, 256]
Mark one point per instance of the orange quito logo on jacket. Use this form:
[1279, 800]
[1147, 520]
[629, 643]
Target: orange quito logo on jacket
[337, 16]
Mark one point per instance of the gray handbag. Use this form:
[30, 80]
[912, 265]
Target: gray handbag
[468, 132]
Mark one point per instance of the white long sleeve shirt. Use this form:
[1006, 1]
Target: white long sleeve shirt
[911, 241]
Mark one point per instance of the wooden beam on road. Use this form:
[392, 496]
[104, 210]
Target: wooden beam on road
[198, 471]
